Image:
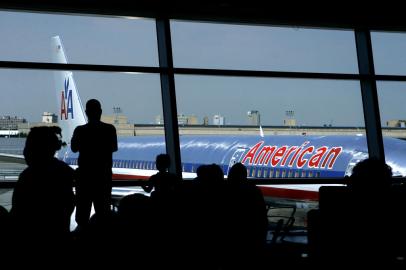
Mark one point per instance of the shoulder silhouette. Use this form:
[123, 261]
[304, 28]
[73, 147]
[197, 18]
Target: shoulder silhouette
[43, 198]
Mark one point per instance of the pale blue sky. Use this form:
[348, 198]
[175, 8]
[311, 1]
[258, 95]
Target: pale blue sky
[123, 41]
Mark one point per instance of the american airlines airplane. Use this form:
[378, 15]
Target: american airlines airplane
[264, 156]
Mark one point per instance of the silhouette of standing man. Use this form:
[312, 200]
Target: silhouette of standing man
[95, 141]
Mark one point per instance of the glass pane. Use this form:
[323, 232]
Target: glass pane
[314, 127]
[392, 109]
[86, 39]
[31, 98]
[270, 102]
[248, 47]
[389, 53]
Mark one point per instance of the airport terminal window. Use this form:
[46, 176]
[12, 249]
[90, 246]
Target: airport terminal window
[316, 108]
[281, 106]
[29, 98]
[389, 52]
[252, 47]
[390, 59]
[392, 111]
[289, 103]
[87, 39]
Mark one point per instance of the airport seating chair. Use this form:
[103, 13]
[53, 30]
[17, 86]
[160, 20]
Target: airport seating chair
[349, 227]
[281, 219]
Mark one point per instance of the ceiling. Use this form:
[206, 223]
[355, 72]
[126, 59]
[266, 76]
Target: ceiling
[335, 14]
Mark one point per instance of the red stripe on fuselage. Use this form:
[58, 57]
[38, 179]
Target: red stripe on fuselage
[293, 194]
[117, 176]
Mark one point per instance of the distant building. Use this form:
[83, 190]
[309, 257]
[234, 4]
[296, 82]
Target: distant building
[11, 122]
[219, 120]
[24, 128]
[291, 122]
[396, 123]
[254, 118]
[183, 120]
[205, 121]
[48, 117]
[120, 122]
[192, 120]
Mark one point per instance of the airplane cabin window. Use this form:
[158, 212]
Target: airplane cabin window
[266, 172]
[259, 172]
[283, 174]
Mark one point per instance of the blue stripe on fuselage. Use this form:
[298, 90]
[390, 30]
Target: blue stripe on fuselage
[198, 150]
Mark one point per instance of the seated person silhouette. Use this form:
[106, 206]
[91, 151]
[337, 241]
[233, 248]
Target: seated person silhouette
[43, 198]
[249, 212]
[163, 182]
[354, 220]
[370, 175]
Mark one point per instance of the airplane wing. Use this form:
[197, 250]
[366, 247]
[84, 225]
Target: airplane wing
[12, 158]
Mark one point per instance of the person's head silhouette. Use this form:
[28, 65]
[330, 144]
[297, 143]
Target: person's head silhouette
[237, 173]
[370, 173]
[162, 162]
[93, 110]
[41, 144]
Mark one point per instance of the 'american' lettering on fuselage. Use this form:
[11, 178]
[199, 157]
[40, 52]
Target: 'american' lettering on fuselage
[290, 156]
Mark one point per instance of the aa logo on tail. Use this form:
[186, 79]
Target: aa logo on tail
[66, 102]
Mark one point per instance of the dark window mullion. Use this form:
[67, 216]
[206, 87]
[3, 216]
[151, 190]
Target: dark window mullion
[369, 94]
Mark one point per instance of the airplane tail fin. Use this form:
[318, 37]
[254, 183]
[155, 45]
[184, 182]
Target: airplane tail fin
[261, 131]
[70, 110]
